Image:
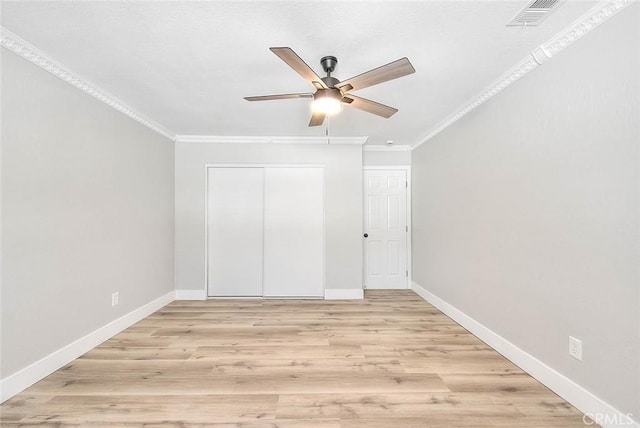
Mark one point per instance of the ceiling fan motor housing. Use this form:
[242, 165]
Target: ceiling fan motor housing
[329, 63]
[328, 93]
[331, 82]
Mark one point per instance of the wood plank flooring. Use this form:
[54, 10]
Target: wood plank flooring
[388, 361]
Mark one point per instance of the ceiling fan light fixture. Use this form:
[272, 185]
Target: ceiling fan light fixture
[327, 101]
[331, 93]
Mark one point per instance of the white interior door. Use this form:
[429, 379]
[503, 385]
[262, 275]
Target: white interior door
[235, 208]
[385, 223]
[294, 232]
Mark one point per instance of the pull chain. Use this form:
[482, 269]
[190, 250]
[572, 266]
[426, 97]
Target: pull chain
[327, 130]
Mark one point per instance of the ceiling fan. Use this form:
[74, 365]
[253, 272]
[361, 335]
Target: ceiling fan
[331, 93]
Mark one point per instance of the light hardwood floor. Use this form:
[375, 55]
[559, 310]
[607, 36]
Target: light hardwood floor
[390, 360]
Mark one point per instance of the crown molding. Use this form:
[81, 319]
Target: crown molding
[218, 139]
[398, 148]
[15, 44]
[543, 53]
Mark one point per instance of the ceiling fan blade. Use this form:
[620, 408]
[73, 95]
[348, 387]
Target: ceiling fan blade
[316, 119]
[369, 106]
[301, 67]
[393, 70]
[278, 97]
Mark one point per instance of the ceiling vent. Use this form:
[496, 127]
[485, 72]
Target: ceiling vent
[534, 13]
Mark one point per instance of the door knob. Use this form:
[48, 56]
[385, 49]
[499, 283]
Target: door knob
[366, 235]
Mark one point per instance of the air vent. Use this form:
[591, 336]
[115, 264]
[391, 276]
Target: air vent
[534, 13]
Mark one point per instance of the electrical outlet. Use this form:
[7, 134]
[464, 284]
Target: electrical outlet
[575, 348]
[115, 297]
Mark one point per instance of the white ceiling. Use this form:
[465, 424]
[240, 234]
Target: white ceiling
[188, 65]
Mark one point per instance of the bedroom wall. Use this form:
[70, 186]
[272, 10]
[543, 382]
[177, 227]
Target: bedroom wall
[343, 204]
[87, 210]
[526, 212]
[386, 158]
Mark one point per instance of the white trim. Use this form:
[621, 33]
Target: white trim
[357, 141]
[235, 298]
[583, 400]
[398, 148]
[324, 230]
[406, 168]
[343, 294]
[583, 25]
[20, 47]
[592, 19]
[31, 374]
[206, 227]
[402, 167]
[410, 231]
[191, 295]
[218, 139]
[264, 165]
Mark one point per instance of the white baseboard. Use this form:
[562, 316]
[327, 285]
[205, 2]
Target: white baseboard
[343, 294]
[583, 400]
[31, 374]
[191, 295]
[386, 287]
[329, 294]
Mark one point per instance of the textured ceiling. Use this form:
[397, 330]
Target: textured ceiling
[188, 65]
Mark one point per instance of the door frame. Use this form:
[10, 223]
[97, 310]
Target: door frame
[207, 166]
[407, 169]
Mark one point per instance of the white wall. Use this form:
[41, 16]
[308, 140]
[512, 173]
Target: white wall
[526, 212]
[87, 210]
[386, 158]
[343, 204]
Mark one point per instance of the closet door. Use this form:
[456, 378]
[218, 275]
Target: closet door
[294, 232]
[235, 209]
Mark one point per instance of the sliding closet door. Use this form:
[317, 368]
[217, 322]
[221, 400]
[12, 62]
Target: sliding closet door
[235, 213]
[294, 232]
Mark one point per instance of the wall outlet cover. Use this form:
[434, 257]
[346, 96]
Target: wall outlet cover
[575, 348]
